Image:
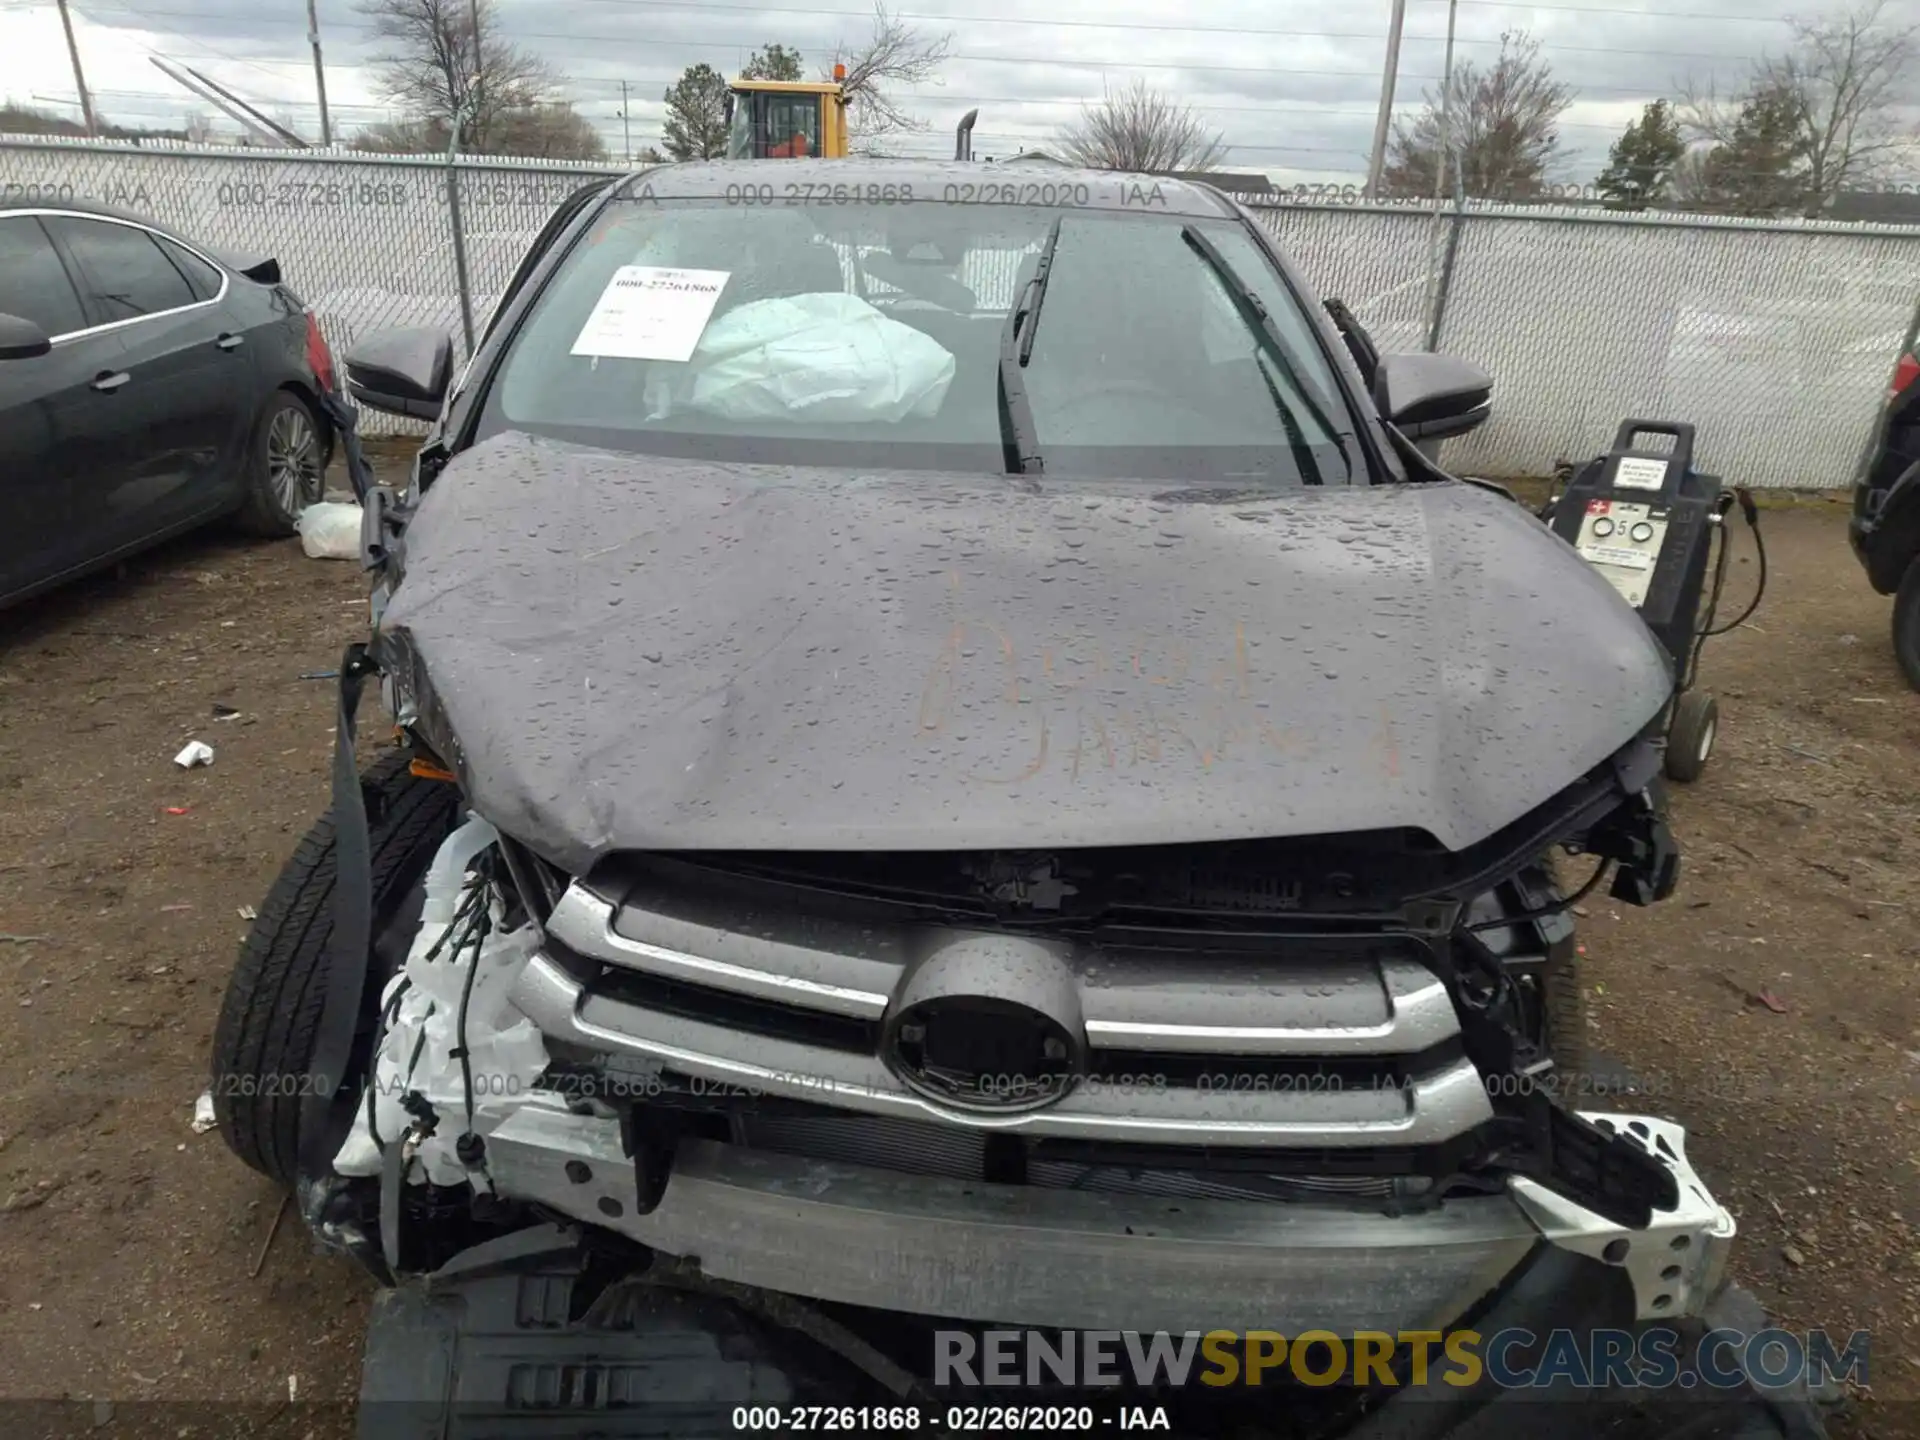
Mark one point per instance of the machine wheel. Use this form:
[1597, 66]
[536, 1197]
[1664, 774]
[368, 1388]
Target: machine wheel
[1906, 624]
[264, 1041]
[1690, 736]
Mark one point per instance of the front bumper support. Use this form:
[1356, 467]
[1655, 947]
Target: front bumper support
[1081, 1260]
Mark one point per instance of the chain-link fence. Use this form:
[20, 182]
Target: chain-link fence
[369, 242]
[1774, 339]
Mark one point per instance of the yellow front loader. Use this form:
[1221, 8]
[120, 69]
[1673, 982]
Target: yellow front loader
[787, 119]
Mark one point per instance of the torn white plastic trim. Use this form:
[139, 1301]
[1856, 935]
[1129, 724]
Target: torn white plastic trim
[1677, 1262]
[505, 1051]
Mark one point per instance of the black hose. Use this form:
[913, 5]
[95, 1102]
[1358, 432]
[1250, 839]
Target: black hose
[1752, 513]
[1721, 542]
[1708, 630]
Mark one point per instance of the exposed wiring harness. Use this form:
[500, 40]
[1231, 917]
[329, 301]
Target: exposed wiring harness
[1547, 911]
[479, 928]
[470, 926]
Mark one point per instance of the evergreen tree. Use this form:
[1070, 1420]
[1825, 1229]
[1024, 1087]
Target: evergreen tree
[1757, 169]
[1640, 166]
[696, 124]
[776, 62]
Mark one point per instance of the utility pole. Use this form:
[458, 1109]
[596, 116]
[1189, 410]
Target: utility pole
[626, 127]
[479, 65]
[1378, 161]
[319, 73]
[1438, 273]
[79, 78]
[1446, 111]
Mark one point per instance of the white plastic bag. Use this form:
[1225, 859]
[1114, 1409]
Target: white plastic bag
[330, 531]
[827, 357]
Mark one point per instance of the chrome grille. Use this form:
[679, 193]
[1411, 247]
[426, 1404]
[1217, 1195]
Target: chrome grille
[1343, 1043]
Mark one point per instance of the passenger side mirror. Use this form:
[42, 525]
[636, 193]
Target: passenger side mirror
[1432, 397]
[22, 339]
[403, 372]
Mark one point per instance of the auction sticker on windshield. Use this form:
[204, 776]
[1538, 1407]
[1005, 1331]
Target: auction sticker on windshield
[649, 312]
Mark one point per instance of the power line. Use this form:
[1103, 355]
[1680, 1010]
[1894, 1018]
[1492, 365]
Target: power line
[679, 6]
[1643, 14]
[193, 41]
[1294, 107]
[1283, 108]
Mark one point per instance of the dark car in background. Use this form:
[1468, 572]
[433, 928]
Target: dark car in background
[147, 386]
[1886, 503]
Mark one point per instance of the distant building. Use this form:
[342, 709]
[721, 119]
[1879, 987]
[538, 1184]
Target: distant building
[1232, 182]
[1877, 207]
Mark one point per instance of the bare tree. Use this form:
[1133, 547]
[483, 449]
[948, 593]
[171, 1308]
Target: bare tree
[1503, 124]
[1755, 162]
[1690, 184]
[552, 131]
[894, 54]
[549, 131]
[401, 137]
[1142, 130]
[429, 64]
[1841, 81]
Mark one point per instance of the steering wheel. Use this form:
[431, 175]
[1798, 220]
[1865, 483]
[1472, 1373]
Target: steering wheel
[943, 290]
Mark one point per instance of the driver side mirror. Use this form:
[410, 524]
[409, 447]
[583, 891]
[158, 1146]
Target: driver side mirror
[1432, 397]
[402, 372]
[21, 339]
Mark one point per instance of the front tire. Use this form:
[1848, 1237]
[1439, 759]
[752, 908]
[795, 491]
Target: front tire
[286, 467]
[1563, 1000]
[1906, 624]
[264, 1042]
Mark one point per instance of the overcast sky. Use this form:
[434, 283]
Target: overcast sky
[1292, 85]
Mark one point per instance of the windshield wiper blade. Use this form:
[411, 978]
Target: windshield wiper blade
[1019, 434]
[1302, 452]
[1253, 311]
[1037, 291]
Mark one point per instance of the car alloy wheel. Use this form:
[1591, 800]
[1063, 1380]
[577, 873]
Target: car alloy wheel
[293, 459]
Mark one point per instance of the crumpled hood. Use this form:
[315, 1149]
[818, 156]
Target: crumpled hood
[630, 652]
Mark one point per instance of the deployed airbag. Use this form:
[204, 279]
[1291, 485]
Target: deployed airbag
[822, 358]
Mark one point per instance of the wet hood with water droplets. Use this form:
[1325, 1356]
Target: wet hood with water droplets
[622, 651]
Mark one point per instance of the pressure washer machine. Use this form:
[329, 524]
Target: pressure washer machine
[1647, 520]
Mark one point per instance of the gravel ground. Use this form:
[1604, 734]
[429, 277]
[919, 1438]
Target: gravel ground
[1773, 1006]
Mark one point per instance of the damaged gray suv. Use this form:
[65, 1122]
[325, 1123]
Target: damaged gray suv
[959, 765]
